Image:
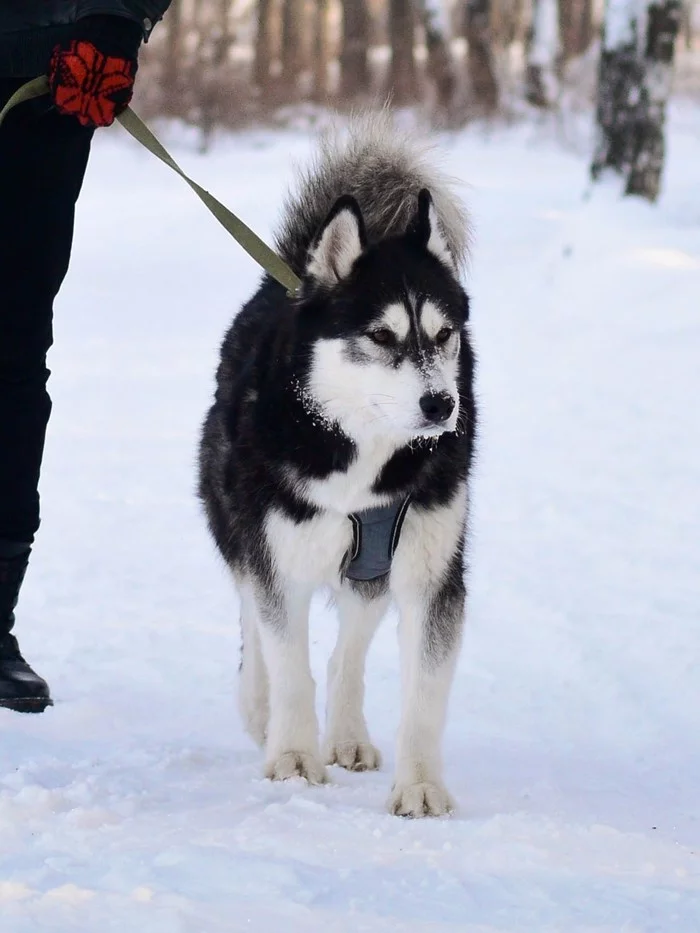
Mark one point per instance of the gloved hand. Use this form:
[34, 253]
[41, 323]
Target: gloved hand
[91, 76]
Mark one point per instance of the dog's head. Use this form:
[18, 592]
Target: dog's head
[388, 322]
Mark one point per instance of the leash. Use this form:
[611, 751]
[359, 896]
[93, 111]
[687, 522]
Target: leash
[256, 248]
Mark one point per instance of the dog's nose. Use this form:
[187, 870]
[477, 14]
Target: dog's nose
[437, 406]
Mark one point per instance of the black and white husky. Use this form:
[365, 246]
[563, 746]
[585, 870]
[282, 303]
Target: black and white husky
[337, 454]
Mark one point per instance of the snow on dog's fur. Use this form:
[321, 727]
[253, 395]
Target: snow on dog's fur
[355, 393]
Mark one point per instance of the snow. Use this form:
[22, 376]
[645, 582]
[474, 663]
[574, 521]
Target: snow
[572, 743]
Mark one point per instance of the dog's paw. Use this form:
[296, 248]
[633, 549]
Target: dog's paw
[296, 764]
[421, 799]
[354, 756]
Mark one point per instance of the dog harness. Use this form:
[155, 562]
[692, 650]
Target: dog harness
[375, 536]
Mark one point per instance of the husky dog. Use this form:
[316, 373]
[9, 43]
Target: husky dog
[337, 454]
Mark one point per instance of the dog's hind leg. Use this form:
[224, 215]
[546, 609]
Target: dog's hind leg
[347, 740]
[253, 686]
[428, 584]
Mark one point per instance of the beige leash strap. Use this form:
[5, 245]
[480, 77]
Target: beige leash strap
[250, 241]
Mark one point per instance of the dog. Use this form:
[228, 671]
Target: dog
[337, 454]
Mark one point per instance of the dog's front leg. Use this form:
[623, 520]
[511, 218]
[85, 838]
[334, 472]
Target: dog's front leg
[429, 589]
[347, 739]
[292, 734]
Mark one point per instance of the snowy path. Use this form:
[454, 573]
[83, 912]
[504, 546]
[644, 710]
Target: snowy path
[574, 737]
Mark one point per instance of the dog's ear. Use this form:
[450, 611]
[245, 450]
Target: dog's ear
[338, 244]
[425, 228]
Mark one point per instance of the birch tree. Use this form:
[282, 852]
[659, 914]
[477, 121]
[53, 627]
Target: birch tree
[541, 84]
[634, 82]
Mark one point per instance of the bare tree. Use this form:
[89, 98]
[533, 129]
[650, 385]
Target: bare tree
[541, 84]
[292, 55]
[482, 71]
[435, 24]
[321, 50]
[506, 22]
[172, 62]
[262, 65]
[402, 69]
[634, 82]
[588, 27]
[575, 27]
[687, 15]
[354, 64]
[215, 39]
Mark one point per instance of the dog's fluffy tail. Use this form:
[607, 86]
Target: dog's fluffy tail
[383, 168]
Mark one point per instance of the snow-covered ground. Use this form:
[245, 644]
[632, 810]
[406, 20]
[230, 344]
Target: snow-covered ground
[573, 742]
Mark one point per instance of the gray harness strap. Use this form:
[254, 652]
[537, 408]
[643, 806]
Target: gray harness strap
[375, 536]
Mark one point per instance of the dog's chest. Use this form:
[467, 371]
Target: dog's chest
[350, 490]
[311, 552]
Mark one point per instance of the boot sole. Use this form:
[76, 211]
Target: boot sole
[27, 704]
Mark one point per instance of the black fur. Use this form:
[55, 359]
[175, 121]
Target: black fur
[262, 422]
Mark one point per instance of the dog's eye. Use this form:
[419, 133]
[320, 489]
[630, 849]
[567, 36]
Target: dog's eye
[443, 335]
[383, 336]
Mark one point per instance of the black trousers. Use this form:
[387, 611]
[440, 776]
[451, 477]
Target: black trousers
[43, 157]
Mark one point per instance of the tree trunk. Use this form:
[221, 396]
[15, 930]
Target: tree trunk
[402, 69]
[480, 61]
[648, 146]
[263, 46]
[687, 23]
[619, 80]
[435, 23]
[575, 27]
[541, 83]
[354, 65]
[321, 52]
[172, 64]
[506, 22]
[633, 87]
[292, 21]
[588, 28]
[212, 55]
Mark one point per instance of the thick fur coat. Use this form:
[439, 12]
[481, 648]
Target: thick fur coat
[352, 394]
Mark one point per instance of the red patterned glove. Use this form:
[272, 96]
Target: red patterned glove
[91, 76]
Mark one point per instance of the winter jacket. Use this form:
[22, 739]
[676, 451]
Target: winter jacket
[29, 29]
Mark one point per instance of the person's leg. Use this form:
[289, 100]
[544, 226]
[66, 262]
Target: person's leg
[42, 163]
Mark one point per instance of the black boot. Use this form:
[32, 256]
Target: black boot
[20, 688]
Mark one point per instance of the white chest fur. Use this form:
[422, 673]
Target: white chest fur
[312, 552]
[350, 490]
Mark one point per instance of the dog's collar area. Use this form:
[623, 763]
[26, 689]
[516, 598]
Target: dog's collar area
[375, 537]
